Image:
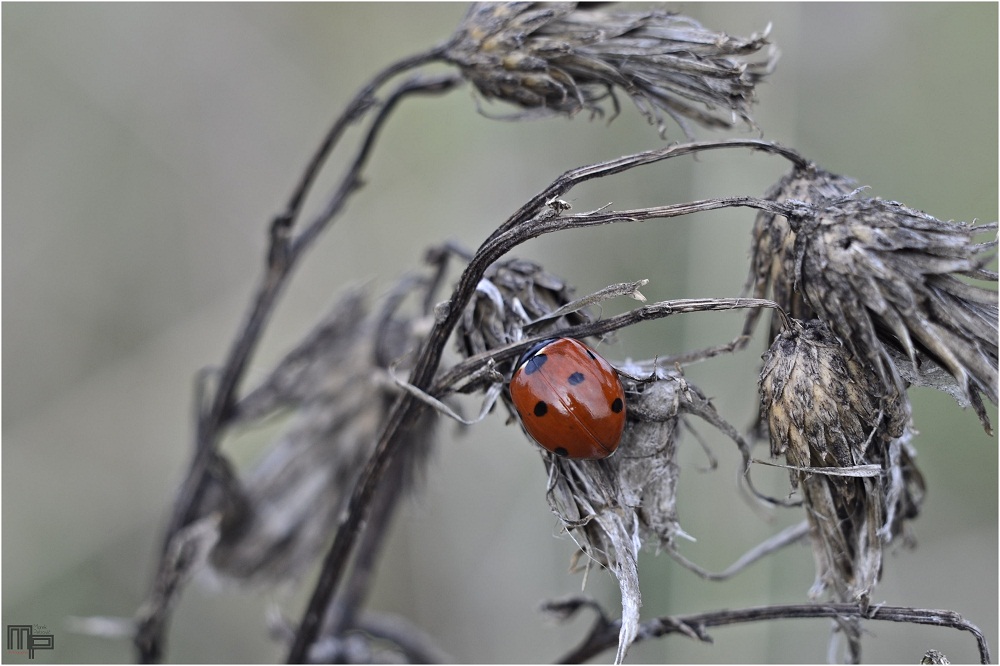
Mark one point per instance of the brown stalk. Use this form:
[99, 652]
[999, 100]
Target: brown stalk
[207, 468]
[604, 634]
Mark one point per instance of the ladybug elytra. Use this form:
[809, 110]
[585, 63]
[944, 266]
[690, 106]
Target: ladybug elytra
[569, 399]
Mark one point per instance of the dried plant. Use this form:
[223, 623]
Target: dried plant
[885, 294]
[563, 58]
[884, 275]
[264, 527]
[609, 507]
[293, 496]
[847, 446]
[896, 284]
[772, 252]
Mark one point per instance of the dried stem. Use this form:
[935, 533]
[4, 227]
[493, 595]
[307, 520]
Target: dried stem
[574, 177]
[362, 102]
[604, 634]
[785, 537]
[214, 412]
[471, 366]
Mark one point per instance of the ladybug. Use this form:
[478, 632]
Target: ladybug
[569, 399]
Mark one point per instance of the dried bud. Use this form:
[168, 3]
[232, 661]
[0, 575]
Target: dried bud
[884, 275]
[561, 58]
[846, 441]
[934, 657]
[512, 295]
[772, 251]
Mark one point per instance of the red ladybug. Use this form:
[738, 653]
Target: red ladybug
[569, 399]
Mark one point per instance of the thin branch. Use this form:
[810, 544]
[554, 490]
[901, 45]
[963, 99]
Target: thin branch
[787, 536]
[612, 291]
[658, 310]
[356, 108]
[604, 635]
[413, 642]
[416, 85]
[574, 177]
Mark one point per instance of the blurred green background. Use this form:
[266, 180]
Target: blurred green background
[146, 147]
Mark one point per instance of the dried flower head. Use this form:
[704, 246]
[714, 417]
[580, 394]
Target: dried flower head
[847, 444]
[610, 507]
[886, 276]
[934, 657]
[637, 486]
[772, 251]
[563, 58]
[613, 507]
[512, 295]
[846, 441]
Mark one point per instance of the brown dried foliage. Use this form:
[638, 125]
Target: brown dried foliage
[885, 275]
[847, 443]
[610, 507]
[903, 289]
[889, 295]
[565, 58]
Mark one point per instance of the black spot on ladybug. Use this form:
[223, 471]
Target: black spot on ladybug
[617, 406]
[576, 378]
[535, 363]
[541, 409]
[560, 451]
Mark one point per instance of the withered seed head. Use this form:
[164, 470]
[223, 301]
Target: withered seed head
[826, 408]
[564, 58]
[884, 275]
[512, 294]
[612, 507]
[772, 251]
[821, 403]
[934, 657]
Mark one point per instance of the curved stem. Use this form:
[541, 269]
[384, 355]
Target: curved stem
[604, 635]
[651, 311]
[571, 178]
[362, 101]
